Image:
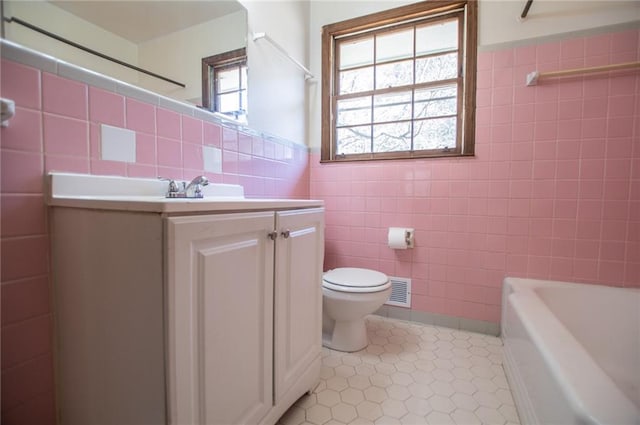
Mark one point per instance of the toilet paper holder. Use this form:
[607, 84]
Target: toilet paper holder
[408, 237]
[401, 238]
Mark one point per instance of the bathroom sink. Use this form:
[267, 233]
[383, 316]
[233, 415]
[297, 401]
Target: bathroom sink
[69, 184]
[149, 195]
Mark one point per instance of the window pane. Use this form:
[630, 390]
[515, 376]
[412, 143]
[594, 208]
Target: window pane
[392, 137]
[394, 74]
[353, 140]
[228, 80]
[435, 102]
[356, 53]
[437, 37]
[392, 107]
[243, 76]
[354, 111]
[228, 102]
[356, 81]
[437, 68]
[436, 133]
[394, 45]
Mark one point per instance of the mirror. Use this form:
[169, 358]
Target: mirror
[166, 38]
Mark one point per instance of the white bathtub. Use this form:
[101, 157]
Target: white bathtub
[572, 352]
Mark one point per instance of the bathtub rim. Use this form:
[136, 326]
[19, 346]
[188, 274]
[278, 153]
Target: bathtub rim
[585, 400]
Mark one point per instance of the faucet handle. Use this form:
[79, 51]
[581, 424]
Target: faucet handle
[173, 186]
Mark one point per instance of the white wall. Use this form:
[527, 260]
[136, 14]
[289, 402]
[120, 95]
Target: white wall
[497, 24]
[277, 89]
[179, 55]
[43, 14]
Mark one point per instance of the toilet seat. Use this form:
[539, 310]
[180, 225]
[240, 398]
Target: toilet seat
[351, 279]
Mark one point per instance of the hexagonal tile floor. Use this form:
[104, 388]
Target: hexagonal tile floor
[410, 374]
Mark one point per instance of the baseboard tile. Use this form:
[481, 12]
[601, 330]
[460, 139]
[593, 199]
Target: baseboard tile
[471, 325]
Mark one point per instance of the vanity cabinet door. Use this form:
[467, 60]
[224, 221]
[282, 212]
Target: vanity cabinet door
[298, 295]
[220, 318]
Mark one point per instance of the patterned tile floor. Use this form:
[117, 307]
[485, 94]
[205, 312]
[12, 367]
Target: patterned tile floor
[410, 374]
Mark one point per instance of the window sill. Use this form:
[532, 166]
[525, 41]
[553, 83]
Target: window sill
[397, 157]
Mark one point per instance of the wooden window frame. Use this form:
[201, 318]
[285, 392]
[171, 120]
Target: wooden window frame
[389, 18]
[218, 62]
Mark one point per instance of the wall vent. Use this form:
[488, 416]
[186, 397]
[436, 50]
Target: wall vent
[400, 292]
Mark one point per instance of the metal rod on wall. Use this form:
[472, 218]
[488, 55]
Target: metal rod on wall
[88, 50]
[2, 21]
[526, 9]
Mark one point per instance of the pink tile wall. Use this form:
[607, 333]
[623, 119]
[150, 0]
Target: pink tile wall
[553, 192]
[56, 127]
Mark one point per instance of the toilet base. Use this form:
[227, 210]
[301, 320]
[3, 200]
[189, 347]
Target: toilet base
[347, 336]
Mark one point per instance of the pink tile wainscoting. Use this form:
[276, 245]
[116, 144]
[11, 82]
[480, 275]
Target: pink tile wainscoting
[553, 191]
[57, 127]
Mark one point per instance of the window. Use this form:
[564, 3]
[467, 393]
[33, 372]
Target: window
[224, 84]
[400, 83]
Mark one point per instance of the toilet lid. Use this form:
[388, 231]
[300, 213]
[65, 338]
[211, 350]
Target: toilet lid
[351, 279]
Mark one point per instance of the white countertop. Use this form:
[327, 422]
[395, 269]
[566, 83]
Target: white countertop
[146, 195]
[174, 206]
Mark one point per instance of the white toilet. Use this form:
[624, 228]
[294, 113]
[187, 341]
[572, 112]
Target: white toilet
[348, 295]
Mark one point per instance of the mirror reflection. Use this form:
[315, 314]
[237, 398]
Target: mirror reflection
[177, 48]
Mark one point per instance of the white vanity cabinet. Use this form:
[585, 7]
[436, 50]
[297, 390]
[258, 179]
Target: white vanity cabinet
[244, 314]
[206, 317]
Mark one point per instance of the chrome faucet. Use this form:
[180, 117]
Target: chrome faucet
[194, 189]
[184, 190]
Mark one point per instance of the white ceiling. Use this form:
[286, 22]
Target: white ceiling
[140, 21]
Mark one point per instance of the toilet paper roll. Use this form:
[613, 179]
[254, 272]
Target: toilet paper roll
[400, 238]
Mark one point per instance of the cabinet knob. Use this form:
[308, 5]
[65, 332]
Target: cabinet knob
[285, 233]
[272, 235]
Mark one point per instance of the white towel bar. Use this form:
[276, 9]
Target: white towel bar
[533, 77]
[261, 35]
